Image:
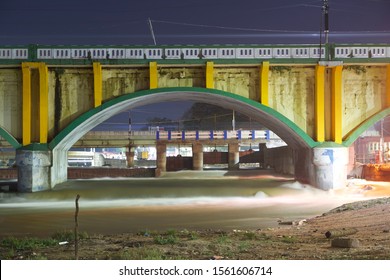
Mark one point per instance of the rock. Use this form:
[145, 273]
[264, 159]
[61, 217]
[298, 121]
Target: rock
[345, 243]
[286, 223]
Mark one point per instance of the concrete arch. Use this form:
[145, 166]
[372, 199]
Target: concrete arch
[9, 138]
[273, 120]
[354, 135]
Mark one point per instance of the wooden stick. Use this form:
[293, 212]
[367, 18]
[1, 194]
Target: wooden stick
[76, 227]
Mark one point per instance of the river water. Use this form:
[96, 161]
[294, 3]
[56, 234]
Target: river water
[207, 200]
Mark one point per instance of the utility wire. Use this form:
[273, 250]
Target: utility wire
[259, 30]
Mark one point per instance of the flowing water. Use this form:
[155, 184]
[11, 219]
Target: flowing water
[178, 201]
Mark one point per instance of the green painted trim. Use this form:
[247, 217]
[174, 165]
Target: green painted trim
[329, 145]
[305, 137]
[351, 138]
[9, 138]
[34, 147]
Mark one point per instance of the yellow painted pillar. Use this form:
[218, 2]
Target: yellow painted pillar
[336, 91]
[320, 103]
[388, 86]
[97, 84]
[43, 103]
[153, 75]
[264, 72]
[26, 104]
[210, 74]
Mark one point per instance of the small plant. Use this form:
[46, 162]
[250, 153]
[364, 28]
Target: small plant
[164, 240]
[289, 239]
[223, 238]
[244, 246]
[68, 235]
[169, 238]
[194, 235]
[140, 254]
[27, 243]
[250, 235]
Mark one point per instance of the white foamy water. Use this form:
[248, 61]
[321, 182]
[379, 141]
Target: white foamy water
[116, 206]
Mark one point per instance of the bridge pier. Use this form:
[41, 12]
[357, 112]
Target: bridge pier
[234, 156]
[33, 170]
[161, 158]
[330, 166]
[59, 169]
[197, 156]
[130, 157]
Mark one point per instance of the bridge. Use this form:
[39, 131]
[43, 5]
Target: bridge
[318, 101]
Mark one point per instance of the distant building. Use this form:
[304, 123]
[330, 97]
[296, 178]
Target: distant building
[368, 148]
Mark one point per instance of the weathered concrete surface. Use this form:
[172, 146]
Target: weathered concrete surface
[119, 81]
[291, 91]
[281, 159]
[181, 76]
[11, 101]
[70, 95]
[33, 170]
[364, 93]
[243, 81]
[345, 243]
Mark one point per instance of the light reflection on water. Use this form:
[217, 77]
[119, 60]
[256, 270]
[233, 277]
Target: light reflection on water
[116, 206]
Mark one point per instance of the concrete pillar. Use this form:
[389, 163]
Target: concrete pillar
[161, 158]
[130, 157]
[197, 156]
[33, 170]
[330, 167]
[59, 169]
[262, 150]
[234, 156]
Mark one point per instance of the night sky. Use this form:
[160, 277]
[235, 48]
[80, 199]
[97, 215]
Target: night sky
[190, 21]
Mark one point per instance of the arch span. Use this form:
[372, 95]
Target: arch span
[364, 126]
[273, 120]
[9, 138]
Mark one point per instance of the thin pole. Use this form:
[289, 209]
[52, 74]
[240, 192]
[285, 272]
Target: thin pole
[234, 121]
[76, 228]
[326, 18]
[152, 31]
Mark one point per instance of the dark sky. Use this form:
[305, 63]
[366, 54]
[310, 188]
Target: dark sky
[190, 21]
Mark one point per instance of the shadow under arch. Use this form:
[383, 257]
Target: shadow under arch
[9, 138]
[282, 126]
[354, 135]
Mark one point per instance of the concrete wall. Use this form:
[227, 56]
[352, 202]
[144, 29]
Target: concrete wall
[291, 91]
[364, 93]
[11, 101]
[70, 95]
[243, 81]
[281, 159]
[88, 173]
